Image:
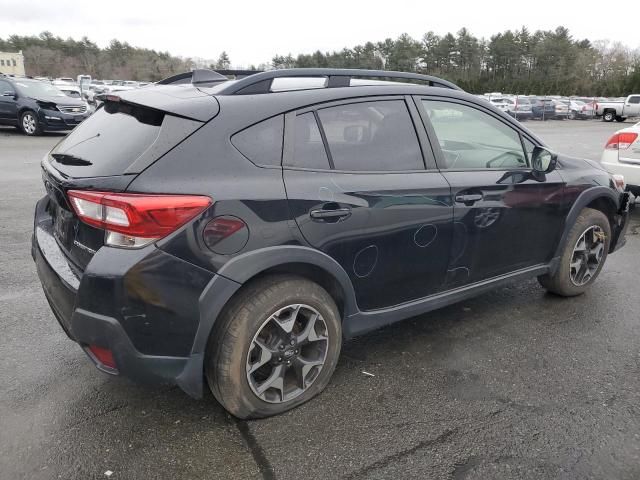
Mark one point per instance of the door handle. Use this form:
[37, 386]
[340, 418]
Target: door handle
[335, 214]
[469, 198]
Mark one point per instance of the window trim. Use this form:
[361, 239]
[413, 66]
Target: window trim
[289, 135]
[436, 145]
[325, 142]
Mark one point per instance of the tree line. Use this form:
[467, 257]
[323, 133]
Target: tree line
[542, 62]
[514, 61]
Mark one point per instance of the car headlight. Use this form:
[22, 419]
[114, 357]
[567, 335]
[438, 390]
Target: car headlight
[46, 105]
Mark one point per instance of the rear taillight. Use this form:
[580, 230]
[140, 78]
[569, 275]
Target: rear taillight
[621, 141]
[134, 220]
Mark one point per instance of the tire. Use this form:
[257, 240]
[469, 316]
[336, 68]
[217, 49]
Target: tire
[562, 282]
[29, 123]
[238, 334]
[608, 116]
[572, 115]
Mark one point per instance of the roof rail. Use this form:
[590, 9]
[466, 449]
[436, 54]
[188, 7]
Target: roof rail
[336, 77]
[201, 77]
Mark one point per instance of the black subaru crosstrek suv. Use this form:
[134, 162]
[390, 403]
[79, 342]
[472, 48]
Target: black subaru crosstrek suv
[234, 233]
[35, 106]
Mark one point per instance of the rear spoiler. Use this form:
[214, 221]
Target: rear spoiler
[202, 77]
[206, 78]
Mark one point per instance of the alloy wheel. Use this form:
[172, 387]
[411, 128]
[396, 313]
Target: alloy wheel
[587, 255]
[29, 123]
[287, 353]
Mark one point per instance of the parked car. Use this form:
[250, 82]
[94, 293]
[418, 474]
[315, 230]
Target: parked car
[500, 103]
[223, 231]
[621, 156]
[619, 110]
[561, 109]
[35, 106]
[542, 108]
[64, 80]
[580, 110]
[517, 107]
[520, 108]
[72, 91]
[96, 88]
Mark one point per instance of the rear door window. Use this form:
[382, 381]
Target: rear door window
[371, 136]
[308, 150]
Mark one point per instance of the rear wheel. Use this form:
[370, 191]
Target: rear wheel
[609, 116]
[274, 348]
[583, 255]
[29, 123]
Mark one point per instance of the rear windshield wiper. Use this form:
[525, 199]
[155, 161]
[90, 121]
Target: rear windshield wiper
[66, 159]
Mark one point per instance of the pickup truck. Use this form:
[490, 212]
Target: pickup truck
[619, 111]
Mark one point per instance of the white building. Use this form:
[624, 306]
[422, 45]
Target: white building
[12, 63]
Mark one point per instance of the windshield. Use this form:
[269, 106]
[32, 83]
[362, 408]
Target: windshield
[32, 88]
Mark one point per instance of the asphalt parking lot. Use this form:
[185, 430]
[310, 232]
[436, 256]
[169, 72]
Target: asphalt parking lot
[513, 384]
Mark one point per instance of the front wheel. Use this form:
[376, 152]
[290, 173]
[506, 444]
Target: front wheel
[29, 123]
[583, 255]
[275, 347]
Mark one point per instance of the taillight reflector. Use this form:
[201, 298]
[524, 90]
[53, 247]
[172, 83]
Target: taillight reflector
[103, 355]
[138, 216]
[621, 140]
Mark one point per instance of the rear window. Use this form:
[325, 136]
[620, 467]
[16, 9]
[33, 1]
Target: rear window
[109, 141]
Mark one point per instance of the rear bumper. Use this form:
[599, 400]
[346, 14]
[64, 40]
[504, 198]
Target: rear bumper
[630, 171]
[89, 328]
[131, 303]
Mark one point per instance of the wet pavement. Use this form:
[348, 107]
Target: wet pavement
[512, 384]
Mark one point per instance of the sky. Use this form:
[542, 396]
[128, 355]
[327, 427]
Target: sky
[252, 32]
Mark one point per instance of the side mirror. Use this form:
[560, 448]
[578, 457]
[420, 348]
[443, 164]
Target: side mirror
[543, 161]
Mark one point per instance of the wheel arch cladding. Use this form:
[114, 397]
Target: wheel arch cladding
[298, 260]
[606, 205]
[598, 198]
[306, 262]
